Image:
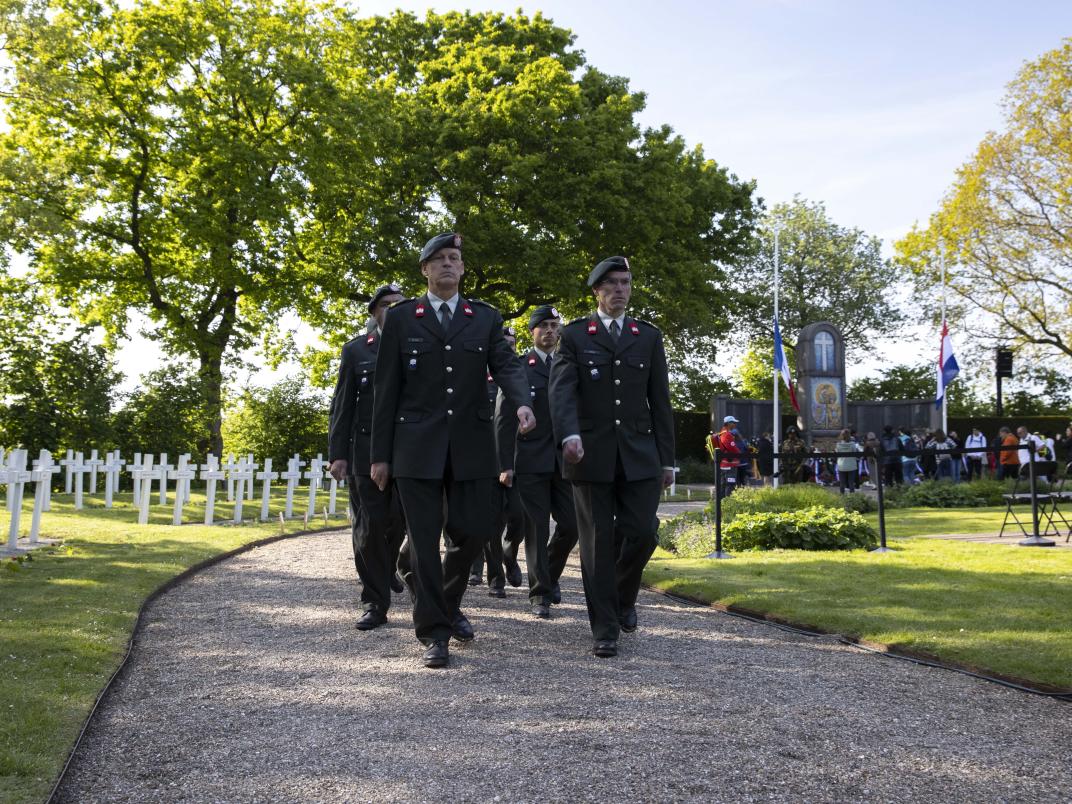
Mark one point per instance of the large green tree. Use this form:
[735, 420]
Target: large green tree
[161, 159]
[501, 131]
[56, 383]
[1005, 226]
[828, 272]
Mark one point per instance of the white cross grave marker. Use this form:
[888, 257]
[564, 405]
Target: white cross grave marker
[314, 475]
[333, 489]
[79, 470]
[182, 475]
[16, 477]
[162, 476]
[66, 464]
[292, 476]
[144, 476]
[229, 466]
[113, 464]
[242, 476]
[93, 462]
[42, 478]
[135, 485]
[252, 466]
[266, 476]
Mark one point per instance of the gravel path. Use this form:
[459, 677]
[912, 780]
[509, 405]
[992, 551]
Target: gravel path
[249, 683]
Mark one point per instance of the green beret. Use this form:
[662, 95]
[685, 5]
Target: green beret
[541, 314]
[609, 264]
[448, 240]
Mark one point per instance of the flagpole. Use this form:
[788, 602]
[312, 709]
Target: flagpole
[777, 379]
[945, 391]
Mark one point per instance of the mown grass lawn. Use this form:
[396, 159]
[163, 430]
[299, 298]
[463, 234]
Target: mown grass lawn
[902, 522]
[1001, 608]
[66, 613]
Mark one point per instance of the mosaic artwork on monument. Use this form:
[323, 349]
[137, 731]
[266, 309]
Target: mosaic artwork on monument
[824, 410]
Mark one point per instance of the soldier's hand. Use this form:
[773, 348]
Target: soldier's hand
[338, 469]
[668, 478]
[507, 478]
[380, 473]
[572, 451]
[525, 419]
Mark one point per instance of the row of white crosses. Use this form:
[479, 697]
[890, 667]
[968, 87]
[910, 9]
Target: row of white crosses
[145, 469]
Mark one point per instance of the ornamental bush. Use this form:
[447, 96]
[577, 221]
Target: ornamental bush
[944, 494]
[793, 497]
[815, 528]
[692, 535]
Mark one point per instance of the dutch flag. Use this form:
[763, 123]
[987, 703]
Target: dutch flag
[781, 365]
[947, 365]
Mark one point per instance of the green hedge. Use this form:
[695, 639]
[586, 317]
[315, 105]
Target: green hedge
[794, 497]
[692, 535]
[815, 528]
[945, 494]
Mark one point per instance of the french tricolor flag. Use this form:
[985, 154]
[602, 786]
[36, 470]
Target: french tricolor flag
[947, 365]
[781, 365]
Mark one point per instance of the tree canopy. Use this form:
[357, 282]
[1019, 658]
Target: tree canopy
[828, 272]
[213, 165]
[1005, 226]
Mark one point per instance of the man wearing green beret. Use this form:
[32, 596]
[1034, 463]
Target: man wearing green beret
[610, 406]
[432, 430]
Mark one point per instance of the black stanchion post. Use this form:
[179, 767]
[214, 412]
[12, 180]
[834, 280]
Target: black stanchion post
[1035, 540]
[718, 509]
[882, 548]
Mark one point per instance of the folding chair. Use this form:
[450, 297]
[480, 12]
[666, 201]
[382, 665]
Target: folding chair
[1061, 493]
[1044, 498]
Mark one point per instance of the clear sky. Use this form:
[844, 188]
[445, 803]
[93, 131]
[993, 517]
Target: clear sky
[869, 107]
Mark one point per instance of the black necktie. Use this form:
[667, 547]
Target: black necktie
[615, 330]
[444, 316]
[547, 360]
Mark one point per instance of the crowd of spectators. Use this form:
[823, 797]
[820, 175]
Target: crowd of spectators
[903, 456]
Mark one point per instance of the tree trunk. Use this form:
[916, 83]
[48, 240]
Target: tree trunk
[210, 372]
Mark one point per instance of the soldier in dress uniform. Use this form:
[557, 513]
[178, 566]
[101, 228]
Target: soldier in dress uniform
[610, 405]
[432, 430]
[377, 525]
[532, 464]
[502, 548]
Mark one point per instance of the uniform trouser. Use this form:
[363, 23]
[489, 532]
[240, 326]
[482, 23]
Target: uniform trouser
[545, 496]
[468, 510]
[564, 539]
[511, 517]
[376, 532]
[616, 525]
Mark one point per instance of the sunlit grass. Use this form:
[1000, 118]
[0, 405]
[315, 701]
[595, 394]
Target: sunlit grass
[66, 612]
[1003, 608]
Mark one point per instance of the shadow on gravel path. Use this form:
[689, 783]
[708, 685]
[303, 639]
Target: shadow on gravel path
[250, 683]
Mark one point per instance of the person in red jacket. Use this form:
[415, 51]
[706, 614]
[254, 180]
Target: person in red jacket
[729, 455]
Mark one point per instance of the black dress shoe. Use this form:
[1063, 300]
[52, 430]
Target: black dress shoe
[474, 579]
[497, 591]
[437, 655]
[462, 628]
[605, 648]
[541, 610]
[398, 586]
[627, 620]
[513, 571]
[556, 595]
[373, 618]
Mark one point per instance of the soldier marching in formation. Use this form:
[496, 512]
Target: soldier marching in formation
[581, 433]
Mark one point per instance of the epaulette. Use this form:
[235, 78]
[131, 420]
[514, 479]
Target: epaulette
[582, 319]
[645, 323]
[401, 302]
[481, 303]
